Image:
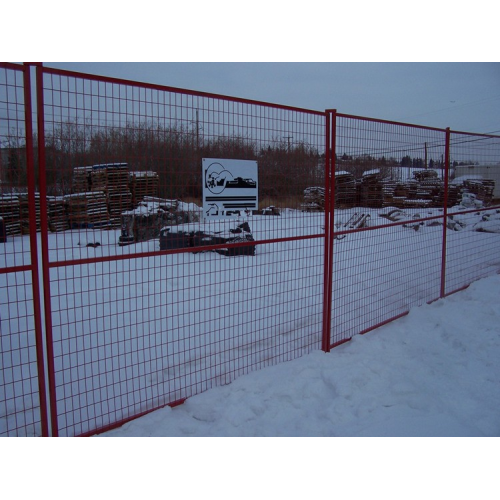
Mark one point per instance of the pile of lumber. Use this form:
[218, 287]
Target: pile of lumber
[431, 189]
[345, 190]
[25, 214]
[423, 175]
[112, 179]
[454, 195]
[81, 179]
[425, 190]
[58, 218]
[372, 192]
[482, 188]
[314, 199]
[87, 210]
[10, 213]
[143, 184]
[388, 189]
[145, 221]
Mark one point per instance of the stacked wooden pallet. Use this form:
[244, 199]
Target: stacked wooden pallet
[143, 184]
[112, 179]
[87, 209]
[388, 189]
[10, 213]
[117, 189]
[372, 194]
[412, 188]
[58, 218]
[400, 195]
[345, 190]
[314, 199]
[117, 176]
[454, 195]
[118, 202]
[25, 214]
[98, 179]
[81, 179]
[431, 189]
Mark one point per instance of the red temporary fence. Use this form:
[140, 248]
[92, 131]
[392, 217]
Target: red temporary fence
[139, 301]
[23, 397]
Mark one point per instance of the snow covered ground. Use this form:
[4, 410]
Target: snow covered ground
[134, 334]
[435, 372]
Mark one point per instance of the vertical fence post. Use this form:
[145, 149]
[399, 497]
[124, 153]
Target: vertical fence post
[445, 212]
[331, 119]
[35, 279]
[45, 250]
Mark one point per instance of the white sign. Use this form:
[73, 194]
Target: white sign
[230, 187]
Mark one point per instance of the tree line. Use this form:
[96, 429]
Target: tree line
[175, 153]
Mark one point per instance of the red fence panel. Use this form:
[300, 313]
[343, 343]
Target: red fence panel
[472, 248]
[404, 232]
[23, 407]
[148, 299]
[137, 326]
[388, 222]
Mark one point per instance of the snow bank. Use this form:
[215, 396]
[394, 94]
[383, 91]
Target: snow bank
[434, 372]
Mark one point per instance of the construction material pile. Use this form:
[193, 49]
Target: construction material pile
[314, 199]
[426, 189]
[111, 179]
[87, 210]
[425, 175]
[58, 218]
[143, 184]
[371, 189]
[25, 215]
[145, 222]
[482, 188]
[200, 235]
[81, 179]
[10, 213]
[345, 190]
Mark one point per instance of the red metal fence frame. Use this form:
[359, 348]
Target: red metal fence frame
[381, 135]
[74, 377]
[32, 268]
[272, 114]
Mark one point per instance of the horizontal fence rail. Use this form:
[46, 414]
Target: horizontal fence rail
[148, 298]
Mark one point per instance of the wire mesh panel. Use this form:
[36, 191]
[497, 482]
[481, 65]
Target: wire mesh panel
[151, 300]
[389, 187]
[473, 248]
[155, 290]
[21, 360]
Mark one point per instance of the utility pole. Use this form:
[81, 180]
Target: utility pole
[197, 131]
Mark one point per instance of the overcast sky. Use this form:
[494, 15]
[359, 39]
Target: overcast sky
[462, 96]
